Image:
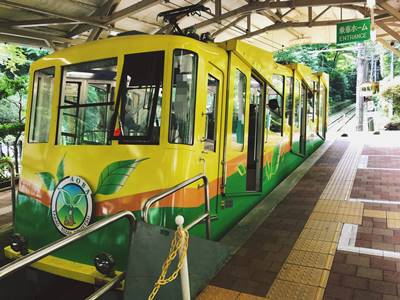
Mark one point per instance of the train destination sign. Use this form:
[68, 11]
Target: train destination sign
[353, 31]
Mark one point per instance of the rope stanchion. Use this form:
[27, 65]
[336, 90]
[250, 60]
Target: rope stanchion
[179, 244]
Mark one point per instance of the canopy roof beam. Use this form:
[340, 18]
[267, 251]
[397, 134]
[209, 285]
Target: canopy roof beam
[54, 14]
[390, 9]
[38, 22]
[285, 25]
[126, 12]
[389, 30]
[256, 6]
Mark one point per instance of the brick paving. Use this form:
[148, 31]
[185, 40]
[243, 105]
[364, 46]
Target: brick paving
[359, 276]
[384, 161]
[376, 185]
[255, 266]
[365, 261]
[371, 150]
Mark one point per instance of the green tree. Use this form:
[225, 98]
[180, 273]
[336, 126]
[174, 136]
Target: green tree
[14, 67]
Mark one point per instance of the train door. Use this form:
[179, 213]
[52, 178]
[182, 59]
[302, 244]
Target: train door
[213, 116]
[236, 118]
[298, 129]
[255, 137]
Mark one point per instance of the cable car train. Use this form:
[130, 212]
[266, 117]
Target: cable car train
[112, 123]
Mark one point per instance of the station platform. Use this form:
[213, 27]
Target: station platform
[334, 235]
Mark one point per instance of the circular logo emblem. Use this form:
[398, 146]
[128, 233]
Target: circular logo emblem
[71, 205]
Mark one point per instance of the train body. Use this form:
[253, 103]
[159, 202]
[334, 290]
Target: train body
[114, 122]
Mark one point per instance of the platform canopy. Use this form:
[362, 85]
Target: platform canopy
[272, 25]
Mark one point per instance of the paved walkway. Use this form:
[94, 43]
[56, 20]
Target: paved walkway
[336, 235]
[5, 208]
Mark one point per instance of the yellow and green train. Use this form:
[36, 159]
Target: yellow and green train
[114, 122]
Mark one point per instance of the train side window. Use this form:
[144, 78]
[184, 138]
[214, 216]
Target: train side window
[239, 106]
[39, 126]
[289, 101]
[275, 108]
[141, 98]
[87, 103]
[310, 104]
[297, 109]
[183, 97]
[211, 113]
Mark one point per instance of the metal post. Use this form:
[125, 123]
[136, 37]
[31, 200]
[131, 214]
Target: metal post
[184, 272]
[207, 207]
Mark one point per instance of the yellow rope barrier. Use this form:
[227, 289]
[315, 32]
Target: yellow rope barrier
[176, 244]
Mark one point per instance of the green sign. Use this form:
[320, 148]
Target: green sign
[353, 31]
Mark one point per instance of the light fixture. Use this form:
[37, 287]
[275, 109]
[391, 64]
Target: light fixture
[371, 3]
[105, 264]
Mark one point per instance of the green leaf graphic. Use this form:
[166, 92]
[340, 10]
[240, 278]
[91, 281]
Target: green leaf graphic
[113, 177]
[48, 180]
[60, 170]
[77, 198]
[66, 197]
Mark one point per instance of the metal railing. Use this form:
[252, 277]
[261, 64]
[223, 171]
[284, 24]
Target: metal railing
[11, 169]
[206, 216]
[47, 250]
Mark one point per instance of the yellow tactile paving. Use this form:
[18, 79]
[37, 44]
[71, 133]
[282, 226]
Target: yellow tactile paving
[351, 205]
[285, 290]
[349, 219]
[320, 235]
[212, 292]
[373, 213]
[323, 225]
[322, 216]
[304, 275]
[310, 259]
[352, 211]
[393, 224]
[244, 296]
[393, 215]
[315, 246]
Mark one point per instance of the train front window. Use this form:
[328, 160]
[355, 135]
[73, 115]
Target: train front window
[39, 126]
[141, 95]
[183, 98]
[87, 103]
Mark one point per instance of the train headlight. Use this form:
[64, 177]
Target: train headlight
[18, 243]
[105, 264]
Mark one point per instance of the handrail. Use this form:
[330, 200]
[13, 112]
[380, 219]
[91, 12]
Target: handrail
[46, 250]
[206, 216]
[105, 288]
[12, 171]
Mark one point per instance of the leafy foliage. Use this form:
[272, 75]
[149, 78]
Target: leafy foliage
[10, 129]
[393, 93]
[340, 65]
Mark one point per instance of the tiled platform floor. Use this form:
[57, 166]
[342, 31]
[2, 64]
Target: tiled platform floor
[336, 235]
